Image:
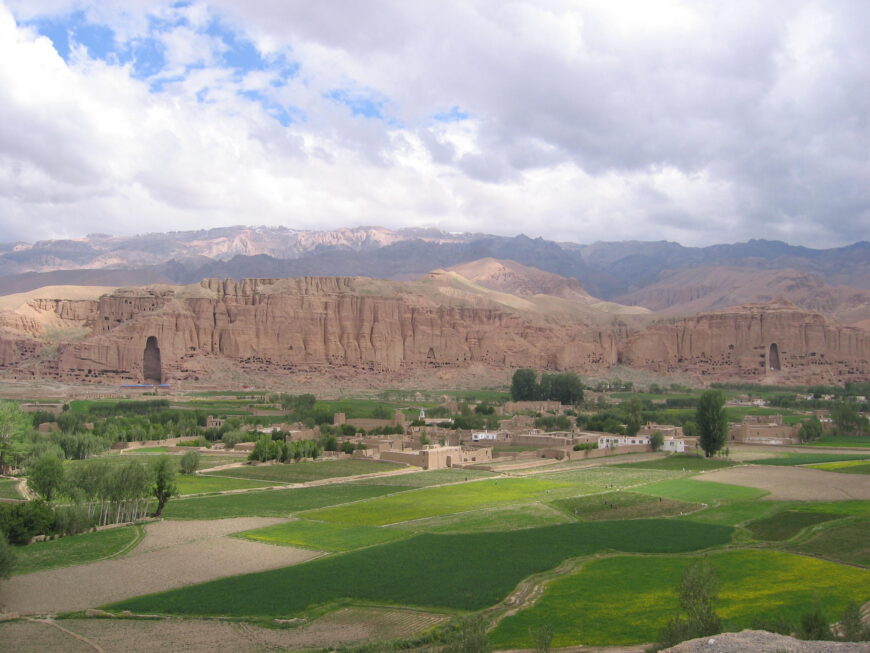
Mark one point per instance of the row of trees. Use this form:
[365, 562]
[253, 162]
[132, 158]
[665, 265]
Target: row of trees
[565, 387]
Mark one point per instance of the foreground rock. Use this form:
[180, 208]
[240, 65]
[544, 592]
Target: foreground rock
[760, 641]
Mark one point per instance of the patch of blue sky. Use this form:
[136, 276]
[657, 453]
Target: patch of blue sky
[360, 104]
[286, 115]
[73, 28]
[454, 114]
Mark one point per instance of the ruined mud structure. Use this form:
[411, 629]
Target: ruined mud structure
[280, 325]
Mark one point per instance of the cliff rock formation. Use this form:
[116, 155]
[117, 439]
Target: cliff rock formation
[278, 326]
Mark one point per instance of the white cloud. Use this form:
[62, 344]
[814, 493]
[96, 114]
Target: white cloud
[701, 122]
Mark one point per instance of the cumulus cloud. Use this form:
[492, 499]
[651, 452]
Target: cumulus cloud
[632, 119]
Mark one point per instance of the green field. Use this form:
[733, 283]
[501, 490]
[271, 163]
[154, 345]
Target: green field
[840, 441]
[323, 536]
[75, 549]
[849, 542]
[271, 503]
[303, 472]
[443, 500]
[622, 505]
[426, 479]
[809, 458]
[9, 488]
[459, 572]
[195, 484]
[845, 467]
[627, 599]
[151, 450]
[509, 518]
[732, 513]
[680, 462]
[786, 524]
[684, 489]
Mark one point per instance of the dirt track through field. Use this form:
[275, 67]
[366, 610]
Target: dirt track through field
[172, 554]
[794, 483]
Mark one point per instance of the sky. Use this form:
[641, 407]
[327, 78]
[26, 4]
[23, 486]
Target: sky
[700, 121]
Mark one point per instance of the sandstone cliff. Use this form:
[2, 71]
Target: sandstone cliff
[281, 326]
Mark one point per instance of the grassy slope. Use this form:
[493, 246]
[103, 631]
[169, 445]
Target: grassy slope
[307, 471]
[622, 505]
[189, 484]
[809, 458]
[849, 542]
[680, 462]
[271, 503]
[9, 489]
[426, 479]
[786, 524]
[626, 600]
[75, 549]
[462, 572]
[683, 489]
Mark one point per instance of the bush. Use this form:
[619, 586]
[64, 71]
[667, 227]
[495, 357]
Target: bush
[7, 557]
[814, 626]
[190, 462]
[23, 521]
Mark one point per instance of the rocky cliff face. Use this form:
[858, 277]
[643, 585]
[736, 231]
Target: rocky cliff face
[753, 341]
[278, 326]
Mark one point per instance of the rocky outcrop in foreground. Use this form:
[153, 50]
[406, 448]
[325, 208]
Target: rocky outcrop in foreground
[760, 641]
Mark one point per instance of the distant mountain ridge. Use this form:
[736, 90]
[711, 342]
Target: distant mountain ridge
[618, 271]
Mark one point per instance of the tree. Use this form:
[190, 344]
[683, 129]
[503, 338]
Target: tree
[262, 450]
[163, 482]
[524, 385]
[634, 418]
[542, 638]
[14, 425]
[699, 587]
[712, 421]
[7, 557]
[656, 440]
[190, 462]
[847, 420]
[45, 476]
[811, 430]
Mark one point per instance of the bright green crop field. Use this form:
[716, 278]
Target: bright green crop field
[75, 549]
[680, 462]
[197, 484]
[627, 599]
[323, 536]
[531, 515]
[845, 467]
[840, 441]
[271, 503]
[684, 489]
[810, 458]
[459, 572]
[622, 505]
[428, 478]
[303, 472]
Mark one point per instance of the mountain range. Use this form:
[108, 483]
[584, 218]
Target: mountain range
[662, 276]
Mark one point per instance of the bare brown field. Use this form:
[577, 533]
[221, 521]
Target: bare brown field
[342, 627]
[173, 554]
[794, 483]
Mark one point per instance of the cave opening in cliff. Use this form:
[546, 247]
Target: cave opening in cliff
[773, 359]
[151, 368]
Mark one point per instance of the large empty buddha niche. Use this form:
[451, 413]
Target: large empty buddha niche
[151, 368]
[773, 359]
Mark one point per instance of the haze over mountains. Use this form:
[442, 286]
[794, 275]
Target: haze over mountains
[661, 276]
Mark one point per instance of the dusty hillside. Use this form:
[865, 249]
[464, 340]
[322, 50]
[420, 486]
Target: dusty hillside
[715, 287]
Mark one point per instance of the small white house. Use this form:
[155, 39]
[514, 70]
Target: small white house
[605, 441]
[674, 445]
[481, 436]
